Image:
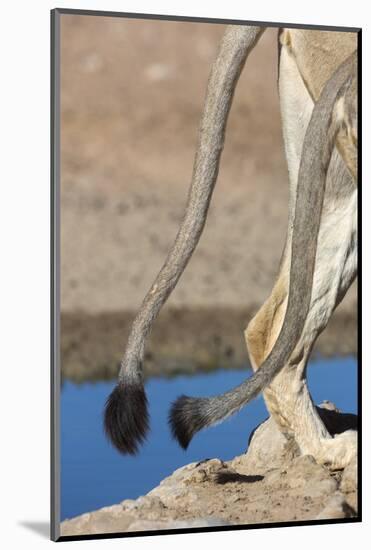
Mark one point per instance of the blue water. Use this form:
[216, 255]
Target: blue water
[93, 474]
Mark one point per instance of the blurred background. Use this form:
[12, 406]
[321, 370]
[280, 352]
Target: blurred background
[132, 93]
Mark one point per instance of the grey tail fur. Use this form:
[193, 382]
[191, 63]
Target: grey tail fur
[189, 415]
[125, 416]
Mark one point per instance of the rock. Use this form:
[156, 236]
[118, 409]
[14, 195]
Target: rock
[336, 507]
[271, 482]
[349, 482]
[329, 406]
[144, 525]
[106, 520]
[268, 448]
[311, 477]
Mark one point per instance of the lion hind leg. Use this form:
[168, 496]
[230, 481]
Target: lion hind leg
[287, 397]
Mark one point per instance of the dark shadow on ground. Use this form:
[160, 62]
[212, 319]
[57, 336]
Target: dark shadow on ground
[234, 477]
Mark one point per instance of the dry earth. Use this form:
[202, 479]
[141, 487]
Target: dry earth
[132, 94]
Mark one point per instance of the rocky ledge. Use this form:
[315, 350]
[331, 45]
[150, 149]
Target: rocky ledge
[270, 483]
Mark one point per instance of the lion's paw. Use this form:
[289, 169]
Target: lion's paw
[339, 451]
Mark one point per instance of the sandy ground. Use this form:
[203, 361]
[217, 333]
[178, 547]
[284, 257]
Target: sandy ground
[132, 94]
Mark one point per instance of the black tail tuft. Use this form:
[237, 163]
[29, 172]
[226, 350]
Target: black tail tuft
[126, 419]
[186, 418]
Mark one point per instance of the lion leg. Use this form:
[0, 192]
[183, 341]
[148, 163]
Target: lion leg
[288, 398]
